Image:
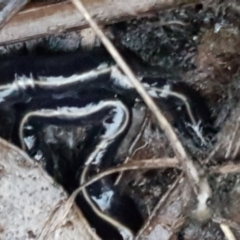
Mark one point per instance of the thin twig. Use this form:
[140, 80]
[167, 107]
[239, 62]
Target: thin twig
[188, 166]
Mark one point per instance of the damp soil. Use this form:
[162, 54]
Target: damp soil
[197, 46]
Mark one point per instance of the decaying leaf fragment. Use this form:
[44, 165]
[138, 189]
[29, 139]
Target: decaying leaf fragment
[28, 197]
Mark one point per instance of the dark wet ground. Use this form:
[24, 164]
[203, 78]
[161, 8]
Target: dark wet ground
[197, 46]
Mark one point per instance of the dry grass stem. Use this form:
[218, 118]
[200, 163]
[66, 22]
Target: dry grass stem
[188, 166]
[133, 165]
[227, 232]
[158, 207]
[230, 168]
[57, 219]
[132, 146]
[227, 222]
[230, 146]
